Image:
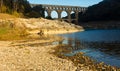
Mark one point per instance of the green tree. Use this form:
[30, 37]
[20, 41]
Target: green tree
[39, 10]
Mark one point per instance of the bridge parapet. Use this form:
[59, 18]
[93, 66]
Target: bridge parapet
[60, 7]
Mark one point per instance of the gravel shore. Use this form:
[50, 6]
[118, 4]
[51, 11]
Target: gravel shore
[34, 55]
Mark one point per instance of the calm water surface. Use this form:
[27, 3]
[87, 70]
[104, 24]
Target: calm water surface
[101, 45]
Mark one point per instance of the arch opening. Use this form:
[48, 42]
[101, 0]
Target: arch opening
[73, 15]
[64, 15]
[54, 14]
[46, 14]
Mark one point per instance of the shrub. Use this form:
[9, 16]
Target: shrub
[15, 13]
[49, 17]
[3, 9]
[33, 14]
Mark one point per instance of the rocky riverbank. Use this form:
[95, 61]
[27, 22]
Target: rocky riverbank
[42, 55]
[33, 54]
[82, 62]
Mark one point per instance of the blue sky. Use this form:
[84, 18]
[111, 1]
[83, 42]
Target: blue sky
[83, 3]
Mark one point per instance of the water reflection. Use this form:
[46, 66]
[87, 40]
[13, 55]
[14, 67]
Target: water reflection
[107, 52]
[108, 48]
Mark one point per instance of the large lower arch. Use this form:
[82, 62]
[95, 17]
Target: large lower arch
[45, 14]
[54, 14]
[64, 15]
[60, 11]
[73, 14]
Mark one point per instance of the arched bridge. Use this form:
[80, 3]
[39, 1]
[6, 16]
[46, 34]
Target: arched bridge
[60, 8]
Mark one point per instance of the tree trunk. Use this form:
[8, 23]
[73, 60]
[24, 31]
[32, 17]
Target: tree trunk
[1, 4]
[15, 5]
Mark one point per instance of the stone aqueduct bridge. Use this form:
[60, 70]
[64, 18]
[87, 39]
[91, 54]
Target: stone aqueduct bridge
[60, 8]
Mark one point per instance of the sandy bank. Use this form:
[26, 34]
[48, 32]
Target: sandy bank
[35, 25]
[52, 32]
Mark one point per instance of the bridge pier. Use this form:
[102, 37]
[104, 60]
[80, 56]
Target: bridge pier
[76, 15]
[49, 13]
[59, 15]
[69, 16]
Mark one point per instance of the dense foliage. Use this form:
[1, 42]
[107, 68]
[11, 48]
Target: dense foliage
[13, 6]
[39, 10]
[20, 8]
[105, 10]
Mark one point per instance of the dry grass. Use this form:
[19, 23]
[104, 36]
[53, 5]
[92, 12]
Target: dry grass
[10, 33]
[6, 16]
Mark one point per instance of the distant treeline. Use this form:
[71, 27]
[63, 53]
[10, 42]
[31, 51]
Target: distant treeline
[105, 10]
[19, 8]
[14, 6]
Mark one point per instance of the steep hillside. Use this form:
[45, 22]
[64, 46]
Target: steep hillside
[105, 10]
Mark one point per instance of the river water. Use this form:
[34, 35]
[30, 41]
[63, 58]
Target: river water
[100, 45]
